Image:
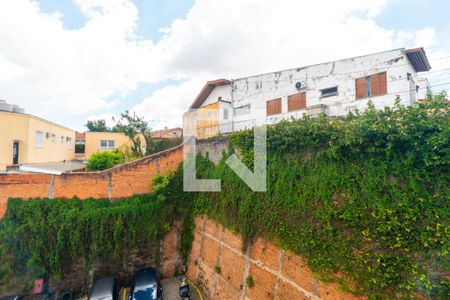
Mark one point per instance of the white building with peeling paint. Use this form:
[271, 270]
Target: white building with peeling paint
[333, 88]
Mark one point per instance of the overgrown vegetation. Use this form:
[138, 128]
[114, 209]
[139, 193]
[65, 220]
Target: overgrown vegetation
[103, 160]
[365, 197]
[44, 237]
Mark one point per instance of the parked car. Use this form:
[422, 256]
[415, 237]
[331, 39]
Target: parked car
[12, 297]
[105, 289]
[146, 285]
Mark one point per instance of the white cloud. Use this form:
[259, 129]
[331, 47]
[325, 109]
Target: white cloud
[167, 105]
[52, 70]
[71, 71]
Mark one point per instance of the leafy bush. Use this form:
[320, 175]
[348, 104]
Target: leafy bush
[103, 160]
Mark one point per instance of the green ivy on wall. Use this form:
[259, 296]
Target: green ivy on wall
[366, 197]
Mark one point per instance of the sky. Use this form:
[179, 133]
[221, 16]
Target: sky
[69, 61]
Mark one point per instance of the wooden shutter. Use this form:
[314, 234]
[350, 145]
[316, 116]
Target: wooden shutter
[379, 84]
[383, 83]
[360, 84]
[375, 85]
[297, 101]
[273, 107]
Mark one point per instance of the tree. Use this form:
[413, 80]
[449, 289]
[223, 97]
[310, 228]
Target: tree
[442, 95]
[97, 125]
[135, 128]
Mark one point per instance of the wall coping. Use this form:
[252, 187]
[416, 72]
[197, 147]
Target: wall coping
[130, 164]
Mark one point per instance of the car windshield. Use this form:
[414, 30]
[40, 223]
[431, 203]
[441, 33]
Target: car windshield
[145, 293]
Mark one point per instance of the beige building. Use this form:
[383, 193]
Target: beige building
[27, 139]
[100, 141]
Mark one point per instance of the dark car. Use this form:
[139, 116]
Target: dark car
[104, 289]
[146, 285]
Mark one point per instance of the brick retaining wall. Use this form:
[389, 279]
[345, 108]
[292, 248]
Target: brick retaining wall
[121, 181]
[277, 274]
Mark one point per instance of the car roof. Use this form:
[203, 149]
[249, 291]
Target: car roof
[103, 287]
[145, 277]
[11, 297]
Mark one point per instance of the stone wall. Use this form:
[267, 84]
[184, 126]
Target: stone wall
[214, 148]
[121, 181]
[219, 266]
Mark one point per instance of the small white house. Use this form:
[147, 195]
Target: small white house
[333, 88]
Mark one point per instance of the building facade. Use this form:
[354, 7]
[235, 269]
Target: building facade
[167, 133]
[101, 141]
[333, 88]
[27, 139]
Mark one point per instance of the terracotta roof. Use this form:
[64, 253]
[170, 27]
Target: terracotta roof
[167, 133]
[207, 89]
[419, 59]
[79, 135]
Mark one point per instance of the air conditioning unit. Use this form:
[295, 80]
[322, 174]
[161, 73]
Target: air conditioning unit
[300, 85]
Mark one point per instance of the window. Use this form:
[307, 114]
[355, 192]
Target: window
[39, 139]
[69, 143]
[225, 114]
[53, 138]
[370, 86]
[329, 92]
[273, 107]
[62, 140]
[297, 101]
[107, 144]
[242, 110]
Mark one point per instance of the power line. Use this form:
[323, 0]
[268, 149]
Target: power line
[334, 74]
[255, 119]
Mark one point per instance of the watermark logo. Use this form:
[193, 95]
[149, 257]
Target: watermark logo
[204, 123]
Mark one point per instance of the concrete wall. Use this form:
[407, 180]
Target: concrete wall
[277, 274]
[23, 127]
[223, 92]
[214, 148]
[121, 181]
[257, 90]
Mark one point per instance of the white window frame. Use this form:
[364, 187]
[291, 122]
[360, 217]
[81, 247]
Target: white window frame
[109, 144]
[325, 93]
[225, 113]
[40, 139]
[69, 143]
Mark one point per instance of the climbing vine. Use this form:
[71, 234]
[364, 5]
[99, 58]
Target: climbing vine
[365, 197]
